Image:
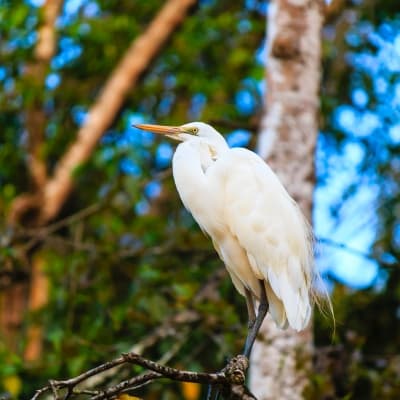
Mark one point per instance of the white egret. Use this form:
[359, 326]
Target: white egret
[257, 229]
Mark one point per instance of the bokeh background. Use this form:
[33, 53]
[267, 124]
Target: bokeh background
[123, 259]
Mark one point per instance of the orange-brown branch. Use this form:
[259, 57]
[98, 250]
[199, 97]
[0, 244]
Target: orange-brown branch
[122, 80]
[38, 297]
[47, 35]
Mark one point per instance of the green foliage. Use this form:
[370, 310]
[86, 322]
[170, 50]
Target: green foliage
[119, 273]
[362, 359]
[136, 261]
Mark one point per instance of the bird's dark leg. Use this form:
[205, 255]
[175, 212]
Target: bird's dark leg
[254, 323]
[254, 327]
[250, 309]
[212, 393]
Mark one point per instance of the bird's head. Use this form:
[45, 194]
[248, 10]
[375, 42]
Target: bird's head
[198, 132]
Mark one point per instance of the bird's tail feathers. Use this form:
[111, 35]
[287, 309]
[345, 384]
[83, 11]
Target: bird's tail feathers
[321, 298]
[318, 291]
[276, 307]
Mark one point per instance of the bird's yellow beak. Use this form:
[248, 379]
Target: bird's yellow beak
[170, 131]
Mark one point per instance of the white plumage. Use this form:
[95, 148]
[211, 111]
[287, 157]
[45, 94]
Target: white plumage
[256, 227]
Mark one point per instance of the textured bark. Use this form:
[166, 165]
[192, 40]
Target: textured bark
[281, 360]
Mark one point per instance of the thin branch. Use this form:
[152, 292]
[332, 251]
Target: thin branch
[40, 233]
[168, 328]
[368, 256]
[70, 383]
[231, 380]
[128, 385]
[173, 373]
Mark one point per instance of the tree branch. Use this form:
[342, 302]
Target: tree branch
[169, 327]
[351, 250]
[129, 384]
[122, 80]
[230, 380]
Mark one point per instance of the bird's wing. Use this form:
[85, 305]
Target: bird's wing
[272, 231]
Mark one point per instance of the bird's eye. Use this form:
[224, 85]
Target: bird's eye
[194, 130]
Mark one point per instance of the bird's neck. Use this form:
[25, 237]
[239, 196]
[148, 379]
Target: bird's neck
[189, 169]
[191, 180]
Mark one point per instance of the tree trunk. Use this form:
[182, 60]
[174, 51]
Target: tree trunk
[281, 360]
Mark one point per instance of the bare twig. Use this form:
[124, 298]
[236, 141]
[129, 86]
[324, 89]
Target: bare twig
[351, 250]
[230, 380]
[70, 383]
[40, 233]
[129, 384]
[173, 373]
[168, 328]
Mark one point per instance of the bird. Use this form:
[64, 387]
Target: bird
[256, 227]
